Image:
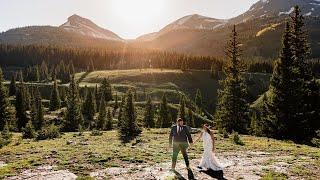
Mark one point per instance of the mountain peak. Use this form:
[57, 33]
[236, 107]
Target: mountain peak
[273, 8]
[83, 26]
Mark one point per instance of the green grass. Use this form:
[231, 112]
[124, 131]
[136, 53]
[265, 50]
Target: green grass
[107, 151]
[172, 82]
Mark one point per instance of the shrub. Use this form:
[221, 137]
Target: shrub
[28, 132]
[236, 139]
[80, 129]
[316, 140]
[223, 132]
[5, 136]
[49, 132]
[96, 132]
[4, 142]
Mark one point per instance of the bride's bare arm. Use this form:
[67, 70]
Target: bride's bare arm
[200, 135]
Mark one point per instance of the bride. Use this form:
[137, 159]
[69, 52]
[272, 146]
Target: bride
[208, 160]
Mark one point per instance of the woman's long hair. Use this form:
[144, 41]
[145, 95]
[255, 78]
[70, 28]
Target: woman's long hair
[209, 131]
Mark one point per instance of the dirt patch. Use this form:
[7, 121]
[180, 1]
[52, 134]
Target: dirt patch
[240, 165]
[44, 173]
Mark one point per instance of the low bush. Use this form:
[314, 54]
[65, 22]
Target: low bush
[49, 132]
[96, 132]
[28, 132]
[236, 139]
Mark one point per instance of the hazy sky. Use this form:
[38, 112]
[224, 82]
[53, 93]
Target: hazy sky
[127, 18]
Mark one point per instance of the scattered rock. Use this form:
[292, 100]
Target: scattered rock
[84, 143]
[44, 173]
[2, 164]
[71, 142]
[239, 165]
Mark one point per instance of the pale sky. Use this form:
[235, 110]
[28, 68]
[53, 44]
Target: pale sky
[127, 18]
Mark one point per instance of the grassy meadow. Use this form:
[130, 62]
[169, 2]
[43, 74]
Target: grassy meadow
[83, 154]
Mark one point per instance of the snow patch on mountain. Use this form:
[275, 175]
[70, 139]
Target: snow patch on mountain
[286, 13]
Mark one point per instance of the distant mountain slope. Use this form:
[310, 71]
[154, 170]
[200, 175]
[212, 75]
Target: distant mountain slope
[78, 31]
[261, 37]
[272, 8]
[260, 30]
[83, 26]
[191, 22]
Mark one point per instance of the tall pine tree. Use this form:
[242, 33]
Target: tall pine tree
[164, 119]
[129, 129]
[232, 107]
[281, 104]
[102, 118]
[89, 109]
[73, 117]
[198, 101]
[55, 101]
[182, 112]
[149, 114]
[4, 103]
[109, 122]
[21, 105]
[13, 86]
[106, 90]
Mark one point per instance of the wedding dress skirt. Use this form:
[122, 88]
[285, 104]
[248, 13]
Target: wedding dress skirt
[209, 160]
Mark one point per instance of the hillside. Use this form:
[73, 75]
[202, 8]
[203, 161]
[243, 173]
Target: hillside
[212, 42]
[172, 82]
[104, 156]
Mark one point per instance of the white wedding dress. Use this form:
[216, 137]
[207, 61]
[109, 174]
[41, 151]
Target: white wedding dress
[209, 160]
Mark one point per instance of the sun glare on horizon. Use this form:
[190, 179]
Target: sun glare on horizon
[143, 11]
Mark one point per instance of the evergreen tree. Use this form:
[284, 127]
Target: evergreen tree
[116, 103]
[4, 103]
[182, 112]
[89, 109]
[281, 106]
[307, 90]
[21, 106]
[232, 107]
[28, 132]
[73, 117]
[106, 90]
[128, 128]
[198, 101]
[55, 101]
[39, 121]
[13, 86]
[164, 120]
[5, 133]
[293, 104]
[102, 118]
[109, 122]
[120, 111]
[190, 119]
[149, 114]
[96, 95]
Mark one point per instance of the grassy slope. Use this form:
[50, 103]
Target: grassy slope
[106, 151]
[173, 82]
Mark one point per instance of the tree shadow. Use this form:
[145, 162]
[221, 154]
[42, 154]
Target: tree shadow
[214, 174]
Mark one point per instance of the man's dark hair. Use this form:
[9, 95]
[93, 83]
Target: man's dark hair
[179, 119]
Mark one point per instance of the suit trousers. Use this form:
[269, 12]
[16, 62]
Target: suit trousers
[177, 147]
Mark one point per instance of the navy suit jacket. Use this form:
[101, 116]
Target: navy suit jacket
[184, 136]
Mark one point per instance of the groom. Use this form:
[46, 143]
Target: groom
[179, 139]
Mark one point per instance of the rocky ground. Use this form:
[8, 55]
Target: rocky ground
[240, 165]
[103, 157]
